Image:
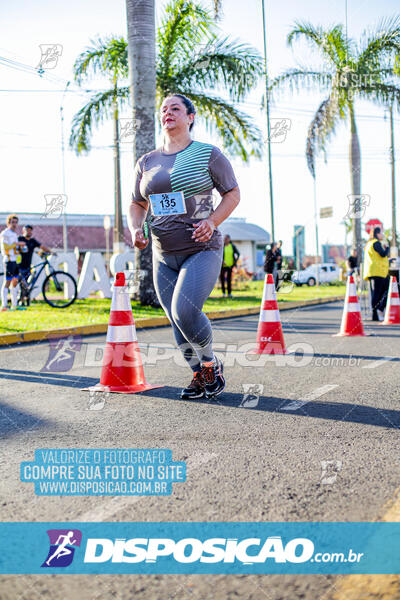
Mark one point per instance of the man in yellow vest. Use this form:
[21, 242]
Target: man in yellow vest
[376, 270]
[231, 255]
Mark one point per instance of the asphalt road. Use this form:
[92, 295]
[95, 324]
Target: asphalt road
[319, 443]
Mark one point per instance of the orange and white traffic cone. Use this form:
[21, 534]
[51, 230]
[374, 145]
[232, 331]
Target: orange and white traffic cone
[392, 312]
[122, 369]
[269, 333]
[352, 324]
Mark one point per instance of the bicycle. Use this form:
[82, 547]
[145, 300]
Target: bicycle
[59, 288]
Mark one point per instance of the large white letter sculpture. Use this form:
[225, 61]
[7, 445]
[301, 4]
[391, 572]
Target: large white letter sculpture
[94, 276]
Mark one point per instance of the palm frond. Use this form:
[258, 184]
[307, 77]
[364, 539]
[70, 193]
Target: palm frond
[332, 44]
[321, 128]
[301, 78]
[382, 94]
[240, 135]
[99, 108]
[222, 64]
[108, 56]
[184, 25]
[380, 44]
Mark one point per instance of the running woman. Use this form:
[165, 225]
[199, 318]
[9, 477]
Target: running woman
[177, 181]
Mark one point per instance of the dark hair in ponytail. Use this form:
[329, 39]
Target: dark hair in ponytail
[190, 109]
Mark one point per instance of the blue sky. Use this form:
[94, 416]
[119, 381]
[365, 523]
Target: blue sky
[30, 148]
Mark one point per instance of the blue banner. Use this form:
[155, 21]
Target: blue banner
[200, 548]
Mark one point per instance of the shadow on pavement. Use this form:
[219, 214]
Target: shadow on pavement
[347, 356]
[13, 421]
[50, 378]
[334, 411]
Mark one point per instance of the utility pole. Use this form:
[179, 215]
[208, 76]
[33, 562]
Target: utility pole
[393, 250]
[65, 237]
[271, 196]
[118, 233]
[316, 229]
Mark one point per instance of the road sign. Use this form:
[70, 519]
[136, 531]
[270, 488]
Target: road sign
[373, 223]
[325, 213]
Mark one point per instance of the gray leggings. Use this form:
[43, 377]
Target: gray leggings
[183, 283]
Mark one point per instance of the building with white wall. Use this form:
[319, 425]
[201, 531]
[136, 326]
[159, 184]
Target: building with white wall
[86, 232]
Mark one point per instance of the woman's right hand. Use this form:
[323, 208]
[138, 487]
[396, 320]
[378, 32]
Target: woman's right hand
[138, 239]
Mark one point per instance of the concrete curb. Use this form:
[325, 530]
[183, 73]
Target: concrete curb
[9, 339]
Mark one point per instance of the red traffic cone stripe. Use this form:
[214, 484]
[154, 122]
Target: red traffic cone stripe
[121, 311]
[392, 312]
[121, 317]
[351, 321]
[270, 305]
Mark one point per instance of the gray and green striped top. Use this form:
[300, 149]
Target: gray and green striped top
[195, 171]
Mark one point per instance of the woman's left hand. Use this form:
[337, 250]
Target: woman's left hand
[203, 230]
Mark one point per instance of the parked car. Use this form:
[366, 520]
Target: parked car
[328, 273]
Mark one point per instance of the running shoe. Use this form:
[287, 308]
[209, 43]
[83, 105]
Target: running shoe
[4, 309]
[195, 389]
[214, 381]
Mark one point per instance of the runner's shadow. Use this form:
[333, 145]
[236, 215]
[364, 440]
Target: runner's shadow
[333, 411]
[60, 379]
[16, 421]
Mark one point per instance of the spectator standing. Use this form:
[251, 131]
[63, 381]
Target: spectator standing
[270, 258]
[31, 243]
[352, 263]
[10, 250]
[231, 256]
[376, 270]
[278, 263]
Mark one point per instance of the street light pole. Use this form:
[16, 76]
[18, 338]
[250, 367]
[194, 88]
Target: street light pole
[107, 226]
[271, 196]
[393, 250]
[316, 230]
[65, 238]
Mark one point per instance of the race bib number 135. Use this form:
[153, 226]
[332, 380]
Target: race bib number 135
[171, 203]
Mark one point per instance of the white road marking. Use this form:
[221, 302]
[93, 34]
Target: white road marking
[120, 503]
[377, 363]
[317, 393]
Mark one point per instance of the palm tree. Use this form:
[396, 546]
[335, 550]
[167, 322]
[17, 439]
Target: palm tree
[192, 60]
[351, 70]
[142, 59]
[107, 57]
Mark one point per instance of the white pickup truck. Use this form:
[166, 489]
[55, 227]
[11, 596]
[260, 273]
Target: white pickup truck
[328, 272]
